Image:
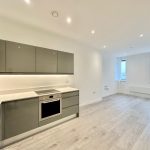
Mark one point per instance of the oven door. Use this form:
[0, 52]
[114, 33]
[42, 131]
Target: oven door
[50, 108]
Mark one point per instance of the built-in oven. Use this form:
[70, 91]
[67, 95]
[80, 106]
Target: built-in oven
[49, 106]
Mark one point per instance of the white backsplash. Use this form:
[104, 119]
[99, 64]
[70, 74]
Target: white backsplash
[13, 82]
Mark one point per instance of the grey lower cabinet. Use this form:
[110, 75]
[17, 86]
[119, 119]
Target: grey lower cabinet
[20, 116]
[20, 58]
[2, 56]
[46, 60]
[65, 62]
[70, 101]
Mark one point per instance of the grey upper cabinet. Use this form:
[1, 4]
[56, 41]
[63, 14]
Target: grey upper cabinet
[20, 116]
[65, 63]
[46, 60]
[20, 58]
[2, 56]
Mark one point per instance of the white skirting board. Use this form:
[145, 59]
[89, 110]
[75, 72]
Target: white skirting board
[140, 91]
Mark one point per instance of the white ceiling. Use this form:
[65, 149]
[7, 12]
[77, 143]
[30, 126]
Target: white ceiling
[118, 23]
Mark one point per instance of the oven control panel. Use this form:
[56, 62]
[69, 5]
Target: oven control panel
[50, 96]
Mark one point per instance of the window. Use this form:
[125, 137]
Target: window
[123, 70]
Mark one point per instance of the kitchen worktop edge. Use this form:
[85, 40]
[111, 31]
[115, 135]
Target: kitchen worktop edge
[30, 94]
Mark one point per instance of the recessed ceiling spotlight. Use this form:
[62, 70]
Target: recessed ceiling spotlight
[104, 46]
[131, 47]
[141, 35]
[69, 20]
[28, 1]
[55, 13]
[92, 31]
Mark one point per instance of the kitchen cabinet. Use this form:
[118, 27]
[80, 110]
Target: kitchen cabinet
[46, 60]
[70, 111]
[1, 123]
[70, 94]
[20, 58]
[17, 58]
[65, 63]
[70, 101]
[2, 56]
[20, 116]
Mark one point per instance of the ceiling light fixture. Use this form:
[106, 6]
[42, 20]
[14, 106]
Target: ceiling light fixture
[69, 20]
[141, 35]
[104, 46]
[27, 1]
[55, 13]
[92, 31]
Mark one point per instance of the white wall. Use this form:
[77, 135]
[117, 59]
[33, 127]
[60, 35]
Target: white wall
[108, 71]
[87, 77]
[138, 69]
[138, 73]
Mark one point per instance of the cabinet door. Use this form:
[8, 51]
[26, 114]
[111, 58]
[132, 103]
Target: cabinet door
[20, 116]
[65, 63]
[1, 122]
[70, 94]
[20, 58]
[2, 56]
[46, 60]
[70, 101]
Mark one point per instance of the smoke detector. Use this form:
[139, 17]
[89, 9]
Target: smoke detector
[54, 13]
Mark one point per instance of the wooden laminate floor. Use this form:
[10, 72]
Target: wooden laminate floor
[119, 123]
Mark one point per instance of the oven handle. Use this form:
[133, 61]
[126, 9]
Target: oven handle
[49, 101]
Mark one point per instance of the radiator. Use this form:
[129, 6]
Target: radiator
[140, 90]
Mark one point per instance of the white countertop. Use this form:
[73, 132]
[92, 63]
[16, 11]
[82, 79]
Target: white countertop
[30, 94]
[66, 89]
[16, 96]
